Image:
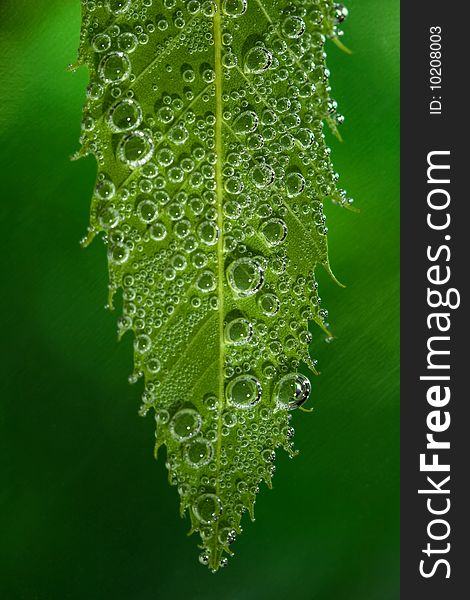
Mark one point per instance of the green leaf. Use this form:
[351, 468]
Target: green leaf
[206, 121]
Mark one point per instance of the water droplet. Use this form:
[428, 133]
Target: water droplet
[147, 211]
[118, 254]
[233, 185]
[244, 391]
[295, 184]
[206, 282]
[108, 217]
[258, 59]
[105, 189]
[125, 115]
[208, 232]
[269, 304]
[235, 8]
[274, 231]
[185, 424]
[246, 122]
[238, 331]
[127, 42]
[136, 149]
[341, 12]
[293, 27]
[178, 134]
[227, 535]
[118, 6]
[207, 508]
[158, 232]
[198, 453]
[245, 276]
[115, 67]
[262, 175]
[101, 42]
[142, 343]
[291, 391]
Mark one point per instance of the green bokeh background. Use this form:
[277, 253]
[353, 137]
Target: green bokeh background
[85, 511]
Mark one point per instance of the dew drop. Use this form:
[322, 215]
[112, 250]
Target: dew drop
[198, 453]
[101, 42]
[136, 149]
[293, 27]
[262, 175]
[125, 115]
[246, 122]
[244, 391]
[115, 67]
[238, 331]
[118, 7]
[269, 304]
[158, 232]
[208, 233]
[142, 344]
[147, 211]
[206, 282]
[245, 276]
[258, 60]
[185, 424]
[118, 254]
[295, 184]
[274, 231]
[234, 8]
[207, 508]
[291, 391]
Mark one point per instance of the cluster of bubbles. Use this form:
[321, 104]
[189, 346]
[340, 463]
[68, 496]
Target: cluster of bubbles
[197, 221]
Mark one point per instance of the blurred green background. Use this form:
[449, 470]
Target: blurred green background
[85, 511]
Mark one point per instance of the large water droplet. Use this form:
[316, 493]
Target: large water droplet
[185, 424]
[234, 8]
[293, 27]
[269, 304]
[244, 391]
[207, 508]
[245, 276]
[258, 59]
[115, 67]
[295, 184]
[206, 282]
[198, 453]
[274, 231]
[147, 211]
[125, 115]
[238, 331]
[136, 149]
[262, 175]
[208, 232]
[118, 6]
[246, 122]
[291, 391]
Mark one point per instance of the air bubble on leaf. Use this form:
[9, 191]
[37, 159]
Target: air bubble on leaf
[185, 424]
[244, 391]
[125, 115]
[238, 331]
[198, 453]
[118, 7]
[274, 231]
[258, 59]
[295, 184]
[115, 67]
[245, 276]
[291, 391]
[207, 508]
[246, 122]
[269, 304]
[227, 535]
[293, 27]
[136, 149]
[234, 8]
[206, 282]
